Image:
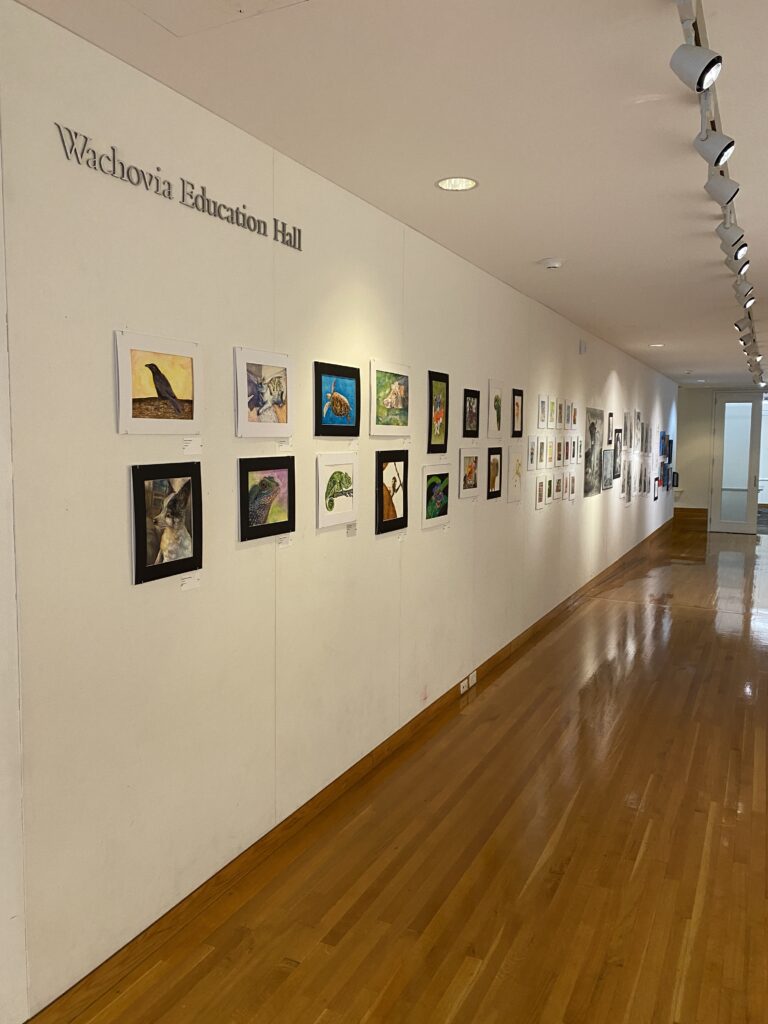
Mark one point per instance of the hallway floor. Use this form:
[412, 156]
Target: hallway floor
[584, 840]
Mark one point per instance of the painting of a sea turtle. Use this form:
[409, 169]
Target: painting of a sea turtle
[338, 404]
[339, 486]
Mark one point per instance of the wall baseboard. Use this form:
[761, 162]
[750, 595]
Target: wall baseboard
[161, 931]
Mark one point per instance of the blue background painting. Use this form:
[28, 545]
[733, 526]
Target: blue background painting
[346, 386]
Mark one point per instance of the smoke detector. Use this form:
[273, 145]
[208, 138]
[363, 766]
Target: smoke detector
[550, 263]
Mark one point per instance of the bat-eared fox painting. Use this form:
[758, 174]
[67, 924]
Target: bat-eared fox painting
[168, 520]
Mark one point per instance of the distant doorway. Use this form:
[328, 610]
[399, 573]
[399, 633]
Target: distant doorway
[735, 478]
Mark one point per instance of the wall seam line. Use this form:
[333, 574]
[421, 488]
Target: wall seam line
[14, 560]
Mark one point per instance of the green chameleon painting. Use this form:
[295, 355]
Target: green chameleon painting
[339, 486]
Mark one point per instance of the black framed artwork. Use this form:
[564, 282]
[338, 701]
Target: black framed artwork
[267, 490]
[337, 400]
[167, 520]
[437, 440]
[391, 490]
[493, 477]
[471, 421]
[617, 449]
[517, 412]
[655, 488]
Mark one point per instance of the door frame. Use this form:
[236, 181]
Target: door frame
[716, 524]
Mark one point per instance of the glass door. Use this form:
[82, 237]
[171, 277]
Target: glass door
[733, 505]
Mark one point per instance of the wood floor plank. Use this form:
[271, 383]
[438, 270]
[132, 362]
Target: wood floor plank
[582, 841]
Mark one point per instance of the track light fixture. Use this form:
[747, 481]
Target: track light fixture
[742, 288]
[715, 147]
[696, 66]
[749, 302]
[729, 233]
[739, 267]
[723, 190]
[744, 325]
[737, 252]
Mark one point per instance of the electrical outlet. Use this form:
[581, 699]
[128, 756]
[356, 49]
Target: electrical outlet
[472, 678]
[463, 686]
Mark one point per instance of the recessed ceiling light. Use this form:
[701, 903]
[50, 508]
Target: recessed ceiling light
[656, 344]
[456, 184]
[700, 380]
[550, 263]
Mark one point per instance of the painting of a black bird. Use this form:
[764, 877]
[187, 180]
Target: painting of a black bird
[163, 387]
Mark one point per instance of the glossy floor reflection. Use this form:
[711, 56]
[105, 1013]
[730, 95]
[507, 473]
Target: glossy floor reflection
[584, 841]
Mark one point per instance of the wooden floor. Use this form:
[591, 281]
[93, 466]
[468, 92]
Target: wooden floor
[585, 840]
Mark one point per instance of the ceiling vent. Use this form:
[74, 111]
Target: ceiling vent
[195, 16]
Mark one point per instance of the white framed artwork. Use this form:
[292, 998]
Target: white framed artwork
[551, 412]
[515, 473]
[159, 385]
[495, 406]
[541, 421]
[436, 493]
[390, 399]
[531, 458]
[558, 486]
[549, 491]
[560, 413]
[469, 472]
[540, 491]
[572, 494]
[337, 486]
[262, 386]
[541, 451]
[550, 453]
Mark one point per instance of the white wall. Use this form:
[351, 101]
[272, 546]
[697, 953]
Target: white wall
[693, 453]
[164, 732]
[13, 977]
[763, 495]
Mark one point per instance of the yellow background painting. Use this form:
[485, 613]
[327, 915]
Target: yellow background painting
[178, 370]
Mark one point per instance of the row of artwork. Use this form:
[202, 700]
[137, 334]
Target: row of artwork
[168, 510]
[160, 382]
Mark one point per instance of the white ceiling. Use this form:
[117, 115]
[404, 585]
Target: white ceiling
[567, 113]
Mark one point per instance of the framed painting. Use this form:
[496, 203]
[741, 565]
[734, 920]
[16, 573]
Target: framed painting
[566, 485]
[607, 468]
[541, 451]
[471, 418]
[337, 486]
[159, 385]
[517, 412]
[655, 488]
[593, 455]
[551, 412]
[560, 413]
[267, 496]
[626, 432]
[558, 489]
[435, 501]
[531, 456]
[566, 450]
[541, 420]
[337, 400]
[515, 472]
[580, 449]
[568, 414]
[469, 472]
[575, 416]
[609, 432]
[572, 494]
[495, 398]
[559, 451]
[390, 399]
[493, 478]
[549, 493]
[262, 393]
[391, 490]
[638, 428]
[540, 491]
[437, 441]
[167, 520]
[617, 448]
